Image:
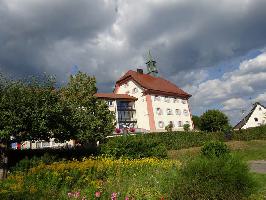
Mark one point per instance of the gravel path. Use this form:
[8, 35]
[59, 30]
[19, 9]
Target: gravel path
[258, 166]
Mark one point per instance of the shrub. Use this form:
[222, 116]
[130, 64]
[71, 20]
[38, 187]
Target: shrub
[214, 120]
[215, 149]
[26, 164]
[136, 146]
[169, 127]
[221, 178]
[186, 127]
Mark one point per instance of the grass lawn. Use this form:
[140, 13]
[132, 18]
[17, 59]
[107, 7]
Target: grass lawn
[247, 150]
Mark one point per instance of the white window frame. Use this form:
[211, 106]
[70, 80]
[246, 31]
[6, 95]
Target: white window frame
[177, 111]
[169, 111]
[157, 98]
[161, 124]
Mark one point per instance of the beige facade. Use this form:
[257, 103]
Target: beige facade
[165, 108]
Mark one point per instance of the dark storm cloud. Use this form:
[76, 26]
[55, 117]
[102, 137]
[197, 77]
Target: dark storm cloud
[29, 29]
[106, 38]
[194, 34]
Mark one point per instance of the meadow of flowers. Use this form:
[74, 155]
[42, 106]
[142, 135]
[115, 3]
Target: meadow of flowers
[94, 178]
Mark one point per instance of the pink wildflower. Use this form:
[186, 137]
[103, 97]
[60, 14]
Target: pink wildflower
[114, 196]
[69, 194]
[127, 198]
[97, 194]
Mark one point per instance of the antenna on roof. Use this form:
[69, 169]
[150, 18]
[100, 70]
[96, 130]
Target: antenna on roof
[151, 65]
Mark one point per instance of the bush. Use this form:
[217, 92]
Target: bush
[223, 177]
[186, 127]
[26, 164]
[135, 146]
[169, 127]
[213, 120]
[215, 149]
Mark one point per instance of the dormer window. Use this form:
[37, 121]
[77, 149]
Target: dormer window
[184, 101]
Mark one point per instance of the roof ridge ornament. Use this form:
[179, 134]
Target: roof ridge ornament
[151, 65]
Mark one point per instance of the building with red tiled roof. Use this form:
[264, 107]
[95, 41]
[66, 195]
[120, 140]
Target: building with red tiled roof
[157, 103]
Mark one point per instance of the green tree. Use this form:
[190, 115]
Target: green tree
[31, 111]
[214, 120]
[197, 122]
[91, 118]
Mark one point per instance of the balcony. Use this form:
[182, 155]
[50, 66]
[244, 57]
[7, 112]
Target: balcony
[126, 108]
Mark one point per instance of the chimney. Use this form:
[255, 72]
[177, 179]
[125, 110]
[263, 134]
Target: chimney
[140, 71]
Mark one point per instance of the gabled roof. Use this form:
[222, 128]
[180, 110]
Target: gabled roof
[114, 96]
[154, 85]
[246, 118]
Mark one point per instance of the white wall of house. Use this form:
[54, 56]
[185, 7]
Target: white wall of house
[257, 118]
[172, 109]
[133, 89]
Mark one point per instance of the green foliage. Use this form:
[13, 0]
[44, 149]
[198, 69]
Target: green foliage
[91, 119]
[137, 179]
[215, 149]
[32, 111]
[223, 177]
[250, 133]
[186, 127]
[214, 120]
[25, 164]
[169, 127]
[197, 122]
[135, 146]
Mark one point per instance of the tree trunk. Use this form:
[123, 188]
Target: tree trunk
[3, 161]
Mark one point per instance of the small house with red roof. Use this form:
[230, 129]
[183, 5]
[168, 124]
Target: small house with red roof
[149, 102]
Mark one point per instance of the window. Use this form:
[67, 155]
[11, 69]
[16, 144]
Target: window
[157, 98]
[171, 122]
[166, 99]
[159, 111]
[161, 124]
[256, 119]
[125, 85]
[260, 108]
[175, 100]
[169, 111]
[177, 111]
[110, 103]
[185, 112]
[135, 90]
[180, 124]
[184, 101]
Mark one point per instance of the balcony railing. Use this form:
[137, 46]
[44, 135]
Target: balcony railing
[122, 108]
[132, 120]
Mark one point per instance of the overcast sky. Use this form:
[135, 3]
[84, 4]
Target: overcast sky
[215, 50]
